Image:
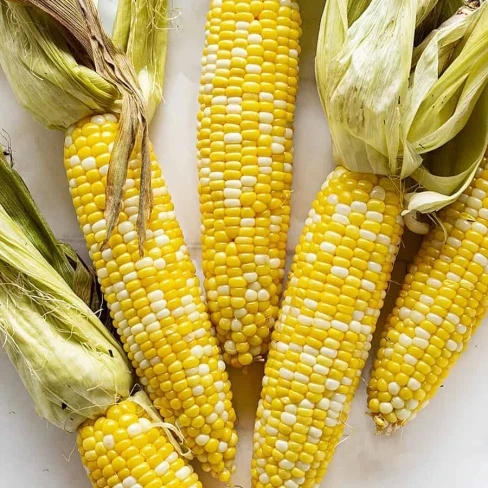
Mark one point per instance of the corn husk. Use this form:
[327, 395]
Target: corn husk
[386, 100]
[433, 18]
[44, 74]
[362, 74]
[62, 67]
[70, 364]
[445, 123]
[141, 31]
[17, 201]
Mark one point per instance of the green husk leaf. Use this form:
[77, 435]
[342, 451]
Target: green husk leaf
[443, 10]
[425, 9]
[355, 9]
[445, 122]
[43, 72]
[141, 31]
[17, 201]
[451, 97]
[70, 364]
[431, 60]
[448, 171]
[445, 38]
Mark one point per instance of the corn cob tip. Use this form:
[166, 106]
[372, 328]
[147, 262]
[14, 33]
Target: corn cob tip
[384, 427]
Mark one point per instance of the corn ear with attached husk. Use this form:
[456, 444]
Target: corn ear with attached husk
[436, 92]
[66, 70]
[70, 364]
[343, 261]
[74, 370]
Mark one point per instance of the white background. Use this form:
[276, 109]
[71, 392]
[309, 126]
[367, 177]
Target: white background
[446, 446]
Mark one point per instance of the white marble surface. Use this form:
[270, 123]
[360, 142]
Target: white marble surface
[446, 446]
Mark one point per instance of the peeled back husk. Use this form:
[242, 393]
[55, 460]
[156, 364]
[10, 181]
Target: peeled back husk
[402, 111]
[43, 73]
[20, 206]
[445, 128]
[63, 67]
[70, 364]
[362, 75]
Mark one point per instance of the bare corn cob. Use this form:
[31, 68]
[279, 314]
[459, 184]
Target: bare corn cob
[245, 130]
[442, 302]
[321, 341]
[155, 299]
[125, 449]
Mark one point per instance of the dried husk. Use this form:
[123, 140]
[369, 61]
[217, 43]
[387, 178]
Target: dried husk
[62, 67]
[141, 31]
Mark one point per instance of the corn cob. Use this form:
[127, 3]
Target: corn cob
[321, 341]
[155, 299]
[442, 302]
[245, 153]
[125, 449]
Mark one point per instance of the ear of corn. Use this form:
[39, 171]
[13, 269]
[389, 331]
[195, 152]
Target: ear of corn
[245, 152]
[154, 299]
[60, 81]
[125, 448]
[442, 302]
[321, 341]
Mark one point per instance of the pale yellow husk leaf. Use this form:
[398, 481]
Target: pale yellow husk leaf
[44, 75]
[68, 361]
[60, 90]
[362, 75]
[141, 30]
[400, 111]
